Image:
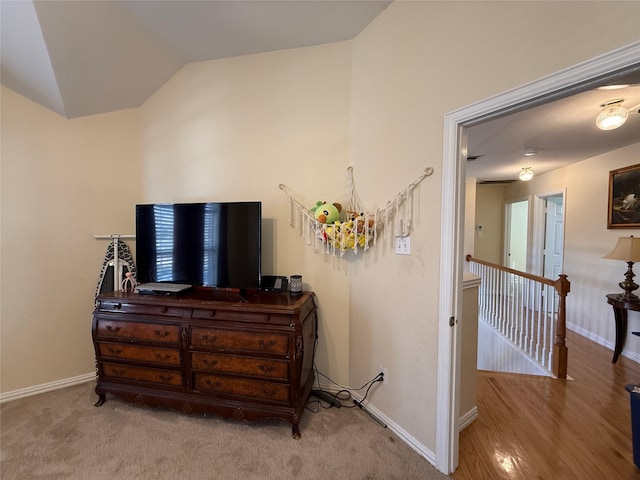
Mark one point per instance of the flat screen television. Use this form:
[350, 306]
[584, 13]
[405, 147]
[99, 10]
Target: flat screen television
[200, 244]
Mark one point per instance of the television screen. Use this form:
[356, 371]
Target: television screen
[204, 244]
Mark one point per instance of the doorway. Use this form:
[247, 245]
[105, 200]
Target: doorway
[547, 244]
[553, 236]
[565, 83]
[516, 227]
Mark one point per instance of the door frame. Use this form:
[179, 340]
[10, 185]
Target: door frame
[564, 83]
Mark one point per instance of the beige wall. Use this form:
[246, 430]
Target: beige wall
[469, 347]
[63, 181]
[413, 64]
[236, 128]
[586, 240]
[489, 214]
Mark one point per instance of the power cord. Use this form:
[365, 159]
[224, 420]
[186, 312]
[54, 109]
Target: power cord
[378, 378]
[345, 394]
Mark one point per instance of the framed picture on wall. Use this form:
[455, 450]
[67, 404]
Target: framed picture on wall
[624, 197]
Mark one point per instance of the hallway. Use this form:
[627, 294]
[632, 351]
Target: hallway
[534, 427]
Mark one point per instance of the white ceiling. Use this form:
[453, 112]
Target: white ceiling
[86, 57]
[563, 131]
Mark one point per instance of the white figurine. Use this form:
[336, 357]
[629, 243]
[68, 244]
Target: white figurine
[129, 282]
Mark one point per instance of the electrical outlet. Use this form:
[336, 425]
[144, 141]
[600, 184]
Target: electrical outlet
[403, 245]
[385, 374]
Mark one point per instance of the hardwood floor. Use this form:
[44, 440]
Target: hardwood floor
[532, 427]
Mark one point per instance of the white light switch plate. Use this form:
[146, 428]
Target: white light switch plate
[403, 245]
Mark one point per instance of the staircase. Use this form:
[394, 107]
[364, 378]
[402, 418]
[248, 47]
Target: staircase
[526, 309]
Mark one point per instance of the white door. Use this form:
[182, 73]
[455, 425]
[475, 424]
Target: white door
[553, 236]
[516, 225]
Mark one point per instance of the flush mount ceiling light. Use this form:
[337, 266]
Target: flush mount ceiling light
[614, 86]
[526, 174]
[612, 116]
[530, 152]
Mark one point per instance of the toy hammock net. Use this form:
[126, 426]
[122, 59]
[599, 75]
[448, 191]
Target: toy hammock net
[357, 227]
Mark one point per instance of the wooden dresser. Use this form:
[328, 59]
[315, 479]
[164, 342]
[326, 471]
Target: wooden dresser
[206, 350]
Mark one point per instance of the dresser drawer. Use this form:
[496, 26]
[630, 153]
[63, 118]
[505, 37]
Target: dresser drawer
[142, 374]
[165, 356]
[141, 309]
[247, 388]
[160, 333]
[249, 317]
[237, 340]
[258, 367]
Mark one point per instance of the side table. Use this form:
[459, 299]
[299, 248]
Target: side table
[620, 308]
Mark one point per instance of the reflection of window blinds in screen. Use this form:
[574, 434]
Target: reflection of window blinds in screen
[211, 243]
[164, 242]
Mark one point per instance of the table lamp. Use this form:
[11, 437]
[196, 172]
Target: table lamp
[627, 249]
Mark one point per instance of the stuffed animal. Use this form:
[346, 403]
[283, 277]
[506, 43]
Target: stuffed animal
[327, 213]
[342, 236]
[318, 204]
[359, 220]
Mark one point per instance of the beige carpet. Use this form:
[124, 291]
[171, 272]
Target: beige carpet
[61, 435]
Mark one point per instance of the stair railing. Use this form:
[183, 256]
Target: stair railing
[527, 309]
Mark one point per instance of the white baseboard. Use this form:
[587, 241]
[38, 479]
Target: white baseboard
[601, 341]
[381, 418]
[46, 387]
[468, 418]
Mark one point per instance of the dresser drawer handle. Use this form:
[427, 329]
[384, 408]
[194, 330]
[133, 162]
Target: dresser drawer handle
[266, 345]
[114, 351]
[118, 373]
[266, 368]
[208, 339]
[117, 306]
[209, 363]
[164, 309]
[161, 334]
[113, 329]
[166, 356]
[269, 393]
[165, 378]
[215, 384]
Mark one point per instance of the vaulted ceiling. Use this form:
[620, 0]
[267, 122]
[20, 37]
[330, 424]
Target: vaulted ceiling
[86, 57]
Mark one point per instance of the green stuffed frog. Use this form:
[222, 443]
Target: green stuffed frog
[327, 212]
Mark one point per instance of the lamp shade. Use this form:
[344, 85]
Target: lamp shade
[627, 249]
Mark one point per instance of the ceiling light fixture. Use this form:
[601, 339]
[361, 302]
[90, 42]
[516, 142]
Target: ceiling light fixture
[614, 86]
[530, 152]
[612, 116]
[526, 174]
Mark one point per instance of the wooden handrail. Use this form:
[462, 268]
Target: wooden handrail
[530, 276]
[562, 287]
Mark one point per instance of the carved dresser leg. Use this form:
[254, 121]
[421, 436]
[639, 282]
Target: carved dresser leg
[102, 397]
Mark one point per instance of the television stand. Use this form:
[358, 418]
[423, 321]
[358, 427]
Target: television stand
[198, 352]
